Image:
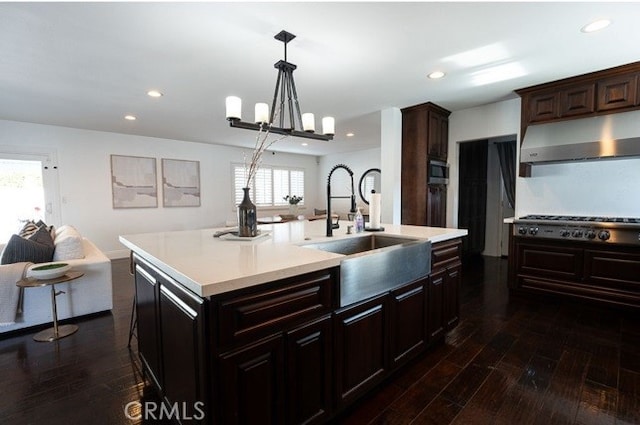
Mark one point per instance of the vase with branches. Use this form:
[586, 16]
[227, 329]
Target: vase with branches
[247, 214]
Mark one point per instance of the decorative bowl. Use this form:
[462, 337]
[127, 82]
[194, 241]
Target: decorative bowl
[49, 270]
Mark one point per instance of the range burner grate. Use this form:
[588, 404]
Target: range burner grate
[591, 219]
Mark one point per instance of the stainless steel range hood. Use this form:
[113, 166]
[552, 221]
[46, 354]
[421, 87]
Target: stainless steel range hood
[601, 137]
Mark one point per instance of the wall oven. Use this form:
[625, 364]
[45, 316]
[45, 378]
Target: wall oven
[437, 172]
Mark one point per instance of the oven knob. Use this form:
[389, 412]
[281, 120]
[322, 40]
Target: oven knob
[577, 233]
[522, 230]
[604, 235]
[591, 234]
[533, 231]
[564, 233]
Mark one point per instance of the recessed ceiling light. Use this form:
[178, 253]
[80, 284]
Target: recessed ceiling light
[305, 144]
[596, 25]
[350, 134]
[154, 93]
[435, 75]
[130, 117]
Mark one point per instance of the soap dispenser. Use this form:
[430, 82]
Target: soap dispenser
[359, 222]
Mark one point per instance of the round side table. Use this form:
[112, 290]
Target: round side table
[56, 332]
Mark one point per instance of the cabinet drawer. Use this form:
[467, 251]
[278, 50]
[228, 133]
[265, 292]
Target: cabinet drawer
[253, 315]
[445, 254]
[614, 270]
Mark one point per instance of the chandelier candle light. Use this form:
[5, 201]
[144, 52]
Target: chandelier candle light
[299, 125]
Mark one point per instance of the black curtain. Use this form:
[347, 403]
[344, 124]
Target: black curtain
[472, 194]
[507, 155]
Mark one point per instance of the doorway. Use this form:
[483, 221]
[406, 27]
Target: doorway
[485, 197]
[28, 189]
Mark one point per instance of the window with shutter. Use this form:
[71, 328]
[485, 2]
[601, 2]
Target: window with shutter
[270, 186]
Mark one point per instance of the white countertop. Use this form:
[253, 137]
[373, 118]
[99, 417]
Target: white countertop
[209, 266]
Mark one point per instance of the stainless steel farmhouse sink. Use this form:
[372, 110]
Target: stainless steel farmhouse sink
[375, 263]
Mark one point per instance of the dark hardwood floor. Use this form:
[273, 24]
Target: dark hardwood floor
[512, 360]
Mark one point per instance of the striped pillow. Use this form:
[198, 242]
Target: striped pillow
[21, 249]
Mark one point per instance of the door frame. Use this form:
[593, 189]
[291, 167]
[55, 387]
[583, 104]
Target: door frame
[50, 182]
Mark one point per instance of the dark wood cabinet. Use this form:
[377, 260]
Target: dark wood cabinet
[407, 310]
[435, 306]
[582, 270]
[252, 384]
[579, 100]
[437, 205]
[612, 90]
[147, 311]
[171, 340]
[425, 136]
[444, 288]
[284, 352]
[617, 92]
[291, 370]
[309, 372]
[543, 107]
[361, 341]
[184, 366]
[438, 136]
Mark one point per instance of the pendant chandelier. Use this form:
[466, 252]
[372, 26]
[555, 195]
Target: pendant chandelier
[290, 121]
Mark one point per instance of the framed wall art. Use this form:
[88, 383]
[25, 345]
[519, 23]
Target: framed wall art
[134, 182]
[180, 183]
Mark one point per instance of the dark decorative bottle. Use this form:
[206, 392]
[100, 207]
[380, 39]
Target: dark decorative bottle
[247, 220]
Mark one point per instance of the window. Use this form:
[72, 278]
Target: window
[271, 185]
[28, 189]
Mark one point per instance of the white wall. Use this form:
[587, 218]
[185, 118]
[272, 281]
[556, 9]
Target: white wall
[84, 176]
[609, 187]
[358, 162]
[483, 122]
[600, 188]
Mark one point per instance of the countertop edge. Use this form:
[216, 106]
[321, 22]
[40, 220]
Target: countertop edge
[207, 289]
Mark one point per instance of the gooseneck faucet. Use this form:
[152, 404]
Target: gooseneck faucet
[329, 197]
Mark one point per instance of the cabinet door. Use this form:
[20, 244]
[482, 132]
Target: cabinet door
[147, 293]
[407, 322]
[251, 384]
[309, 372]
[617, 92]
[451, 304]
[436, 205]
[543, 107]
[435, 301]
[184, 366]
[438, 138]
[360, 348]
[578, 100]
[542, 259]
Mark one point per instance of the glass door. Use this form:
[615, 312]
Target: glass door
[28, 189]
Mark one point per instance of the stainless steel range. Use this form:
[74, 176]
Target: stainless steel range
[618, 230]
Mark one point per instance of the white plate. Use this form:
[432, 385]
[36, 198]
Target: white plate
[233, 236]
[48, 270]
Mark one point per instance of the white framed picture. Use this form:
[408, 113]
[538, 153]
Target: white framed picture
[134, 182]
[180, 183]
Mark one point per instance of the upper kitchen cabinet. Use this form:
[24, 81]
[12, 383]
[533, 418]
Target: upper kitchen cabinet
[543, 107]
[609, 91]
[602, 92]
[425, 137]
[578, 100]
[617, 92]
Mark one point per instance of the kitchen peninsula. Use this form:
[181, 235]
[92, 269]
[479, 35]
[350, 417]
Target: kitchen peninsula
[257, 332]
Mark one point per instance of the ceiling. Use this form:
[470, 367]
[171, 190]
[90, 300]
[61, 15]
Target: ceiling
[86, 65]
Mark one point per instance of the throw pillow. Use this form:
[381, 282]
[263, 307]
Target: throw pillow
[68, 244]
[43, 236]
[20, 249]
[29, 228]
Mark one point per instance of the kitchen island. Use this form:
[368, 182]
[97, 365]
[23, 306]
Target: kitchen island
[254, 331]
